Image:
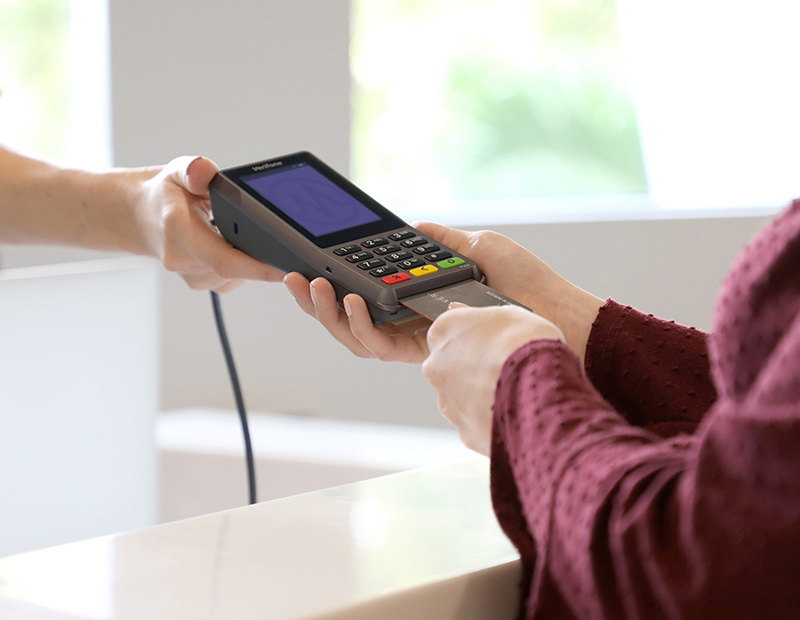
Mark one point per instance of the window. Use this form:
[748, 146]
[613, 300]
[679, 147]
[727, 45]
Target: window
[518, 108]
[53, 79]
[499, 99]
[34, 75]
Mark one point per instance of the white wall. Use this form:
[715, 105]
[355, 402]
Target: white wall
[236, 81]
[243, 80]
[78, 401]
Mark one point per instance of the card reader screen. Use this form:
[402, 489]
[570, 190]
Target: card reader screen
[310, 199]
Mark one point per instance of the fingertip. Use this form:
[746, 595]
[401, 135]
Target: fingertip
[317, 283]
[320, 289]
[296, 282]
[193, 173]
[270, 274]
[201, 161]
[355, 303]
[424, 225]
[287, 283]
[449, 236]
[198, 174]
[354, 300]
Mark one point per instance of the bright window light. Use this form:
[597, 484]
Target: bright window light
[717, 99]
[515, 110]
[54, 85]
[90, 68]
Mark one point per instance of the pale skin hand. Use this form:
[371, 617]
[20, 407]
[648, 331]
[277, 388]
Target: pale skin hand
[402, 343]
[468, 347]
[509, 268]
[157, 211]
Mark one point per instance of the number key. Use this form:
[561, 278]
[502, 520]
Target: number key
[347, 249]
[386, 249]
[411, 263]
[403, 234]
[358, 257]
[396, 256]
[425, 249]
[374, 243]
[414, 241]
[371, 264]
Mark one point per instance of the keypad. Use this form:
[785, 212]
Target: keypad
[374, 243]
[396, 277]
[425, 270]
[358, 256]
[408, 254]
[413, 241]
[425, 249]
[347, 249]
[386, 249]
[450, 262]
[411, 263]
[403, 234]
[379, 272]
[371, 263]
[437, 256]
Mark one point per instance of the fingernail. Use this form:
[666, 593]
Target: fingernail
[313, 294]
[455, 305]
[188, 168]
[347, 309]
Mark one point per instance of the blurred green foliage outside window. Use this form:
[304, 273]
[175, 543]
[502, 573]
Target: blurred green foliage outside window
[491, 99]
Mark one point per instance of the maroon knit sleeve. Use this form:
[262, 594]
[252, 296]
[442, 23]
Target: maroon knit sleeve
[655, 373]
[613, 521]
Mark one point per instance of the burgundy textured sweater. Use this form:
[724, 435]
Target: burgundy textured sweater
[663, 480]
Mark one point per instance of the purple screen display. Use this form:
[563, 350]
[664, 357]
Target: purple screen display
[311, 200]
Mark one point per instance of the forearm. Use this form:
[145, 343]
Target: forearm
[620, 523]
[654, 372]
[558, 450]
[43, 203]
[574, 311]
[517, 272]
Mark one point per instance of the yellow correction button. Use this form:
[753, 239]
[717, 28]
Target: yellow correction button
[423, 271]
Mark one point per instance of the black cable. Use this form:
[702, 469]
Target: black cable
[237, 392]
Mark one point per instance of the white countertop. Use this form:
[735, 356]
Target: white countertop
[421, 544]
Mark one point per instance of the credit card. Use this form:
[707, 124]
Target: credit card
[469, 292]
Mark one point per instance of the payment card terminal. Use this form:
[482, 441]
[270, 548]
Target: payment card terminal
[298, 214]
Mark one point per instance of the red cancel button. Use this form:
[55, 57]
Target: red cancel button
[395, 278]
